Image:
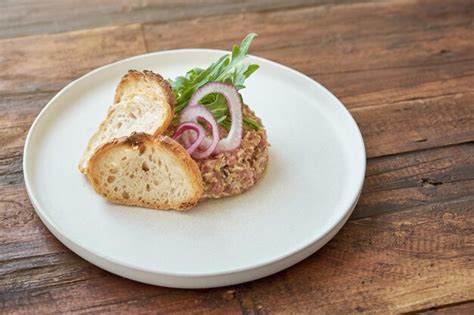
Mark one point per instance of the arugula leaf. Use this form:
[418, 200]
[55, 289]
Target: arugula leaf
[229, 69]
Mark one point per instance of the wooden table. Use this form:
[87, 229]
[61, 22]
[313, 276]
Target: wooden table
[405, 70]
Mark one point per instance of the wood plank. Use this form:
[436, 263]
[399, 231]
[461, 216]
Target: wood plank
[416, 124]
[109, 293]
[22, 234]
[400, 182]
[330, 34]
[48, 62]
[404, 261]
[17, 113]
[24, 17]
[375, 35]
[394, 85]
[456, 309]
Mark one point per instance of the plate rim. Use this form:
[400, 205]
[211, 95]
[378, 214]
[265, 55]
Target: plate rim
[58, 233]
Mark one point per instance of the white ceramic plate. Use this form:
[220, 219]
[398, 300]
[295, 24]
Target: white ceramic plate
[313, 181]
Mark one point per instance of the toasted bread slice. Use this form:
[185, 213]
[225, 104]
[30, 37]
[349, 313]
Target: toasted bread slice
[143, 102]
[141, 170]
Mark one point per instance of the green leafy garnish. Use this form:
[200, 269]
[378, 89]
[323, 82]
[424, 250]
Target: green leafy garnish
[230, 69]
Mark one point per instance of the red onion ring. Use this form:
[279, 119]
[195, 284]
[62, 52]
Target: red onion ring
[200, 131]
[189, 138]
[233, 139]
[192, 114]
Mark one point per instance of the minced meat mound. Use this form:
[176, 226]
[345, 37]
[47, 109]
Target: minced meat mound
[232, 173]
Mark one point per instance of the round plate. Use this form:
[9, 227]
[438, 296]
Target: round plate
[314, 178]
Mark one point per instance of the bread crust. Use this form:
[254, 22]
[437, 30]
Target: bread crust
[128, 81]
[139, 141]
[133, 76]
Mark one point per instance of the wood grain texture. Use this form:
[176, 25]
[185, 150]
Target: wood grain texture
[400, 182]
[417, 124]
[320, 40]
[453, 309]
[338, 39]
[21, 17]
[17, 113]
[405, 70]
[47, 62]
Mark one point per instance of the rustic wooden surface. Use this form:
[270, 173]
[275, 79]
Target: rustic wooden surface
[405, 70]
